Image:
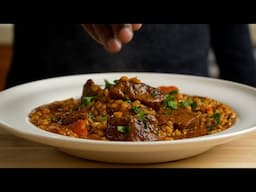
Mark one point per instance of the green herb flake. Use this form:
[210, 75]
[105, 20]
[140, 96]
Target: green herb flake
[174, 92]
[108, 84]
[216, 116]
[88, 100]
[167, 99]
[211, 127]
[137, 109]
[170, 97]
[139, 113]
[172, 104]
[185, 103]
[123, 129]
[142, 117]
[193, 105]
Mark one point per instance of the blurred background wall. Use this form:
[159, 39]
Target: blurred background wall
[6, 41]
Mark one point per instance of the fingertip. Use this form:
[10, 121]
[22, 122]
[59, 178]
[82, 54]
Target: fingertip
[113, 45]
[125, 35]
[136, 27]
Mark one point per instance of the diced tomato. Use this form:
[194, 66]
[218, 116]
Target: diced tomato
[168, 89]
[79, 128]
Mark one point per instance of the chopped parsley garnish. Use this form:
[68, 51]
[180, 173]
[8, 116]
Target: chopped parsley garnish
[211, 127]
[137, 109]
[216, 117]
[185, 103]
[193, 105]
[142, 117]
[108, 84]
[170, 102]
[172, 105]
[168, 98]
[139, 113]
[123, 129]
[174, 92]
[88, 100]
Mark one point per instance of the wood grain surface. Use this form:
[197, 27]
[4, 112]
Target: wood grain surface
[19, 153]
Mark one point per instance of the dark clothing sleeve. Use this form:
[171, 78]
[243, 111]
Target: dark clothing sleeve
[232, 46]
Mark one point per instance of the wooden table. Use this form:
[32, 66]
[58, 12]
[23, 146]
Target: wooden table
[19, 153]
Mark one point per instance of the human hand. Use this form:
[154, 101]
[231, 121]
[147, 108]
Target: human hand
[112, 36]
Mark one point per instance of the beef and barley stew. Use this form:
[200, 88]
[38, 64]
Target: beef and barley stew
[130, 110]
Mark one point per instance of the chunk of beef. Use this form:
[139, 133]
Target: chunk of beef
[147, 95]
[183, 120]
[146, 130]
[69, 118]
[136, 129]
[90, 89]
[112, 132]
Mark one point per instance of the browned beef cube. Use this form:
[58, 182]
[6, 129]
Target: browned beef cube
[147, 95]
[130, 128]
[118, 129]
[144, 130]
[70, 118]
[184, 119]
[90, 89]
[181, 118]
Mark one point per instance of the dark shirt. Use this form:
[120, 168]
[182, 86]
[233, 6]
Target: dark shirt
[42, 51]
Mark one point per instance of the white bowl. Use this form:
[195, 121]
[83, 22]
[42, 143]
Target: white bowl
[17, 102]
